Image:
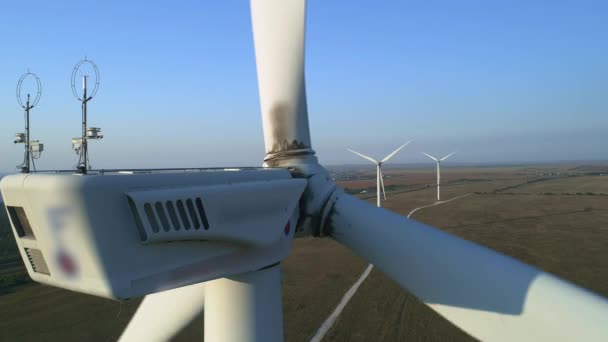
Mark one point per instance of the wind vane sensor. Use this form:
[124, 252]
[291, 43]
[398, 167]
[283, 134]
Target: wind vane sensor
[33, 149]
[83, 69]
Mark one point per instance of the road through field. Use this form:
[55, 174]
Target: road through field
[329, 322]
[434, 204]
[338, 310]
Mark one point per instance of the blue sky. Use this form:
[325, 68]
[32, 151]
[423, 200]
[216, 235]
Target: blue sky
[497, 81]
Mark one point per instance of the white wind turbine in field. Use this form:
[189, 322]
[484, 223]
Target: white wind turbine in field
[379, 175]
[438, 161]
[216, 238]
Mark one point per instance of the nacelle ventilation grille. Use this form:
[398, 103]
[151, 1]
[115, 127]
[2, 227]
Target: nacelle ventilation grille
[170, 216]
[252, 213]
[184, 214]
[37, 261]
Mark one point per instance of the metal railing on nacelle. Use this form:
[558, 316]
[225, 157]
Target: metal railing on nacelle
[154, 170]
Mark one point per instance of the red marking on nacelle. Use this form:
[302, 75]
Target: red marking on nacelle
[287, 228]
[67, 264]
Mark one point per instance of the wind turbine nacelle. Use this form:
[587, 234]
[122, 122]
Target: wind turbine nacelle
[125, 235]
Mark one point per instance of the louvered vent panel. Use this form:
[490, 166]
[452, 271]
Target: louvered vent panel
[186, 214]
[229, 212]
[37, 261]
[182, 214]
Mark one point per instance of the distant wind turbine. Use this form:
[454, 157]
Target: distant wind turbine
[379, 180]
[438, 173]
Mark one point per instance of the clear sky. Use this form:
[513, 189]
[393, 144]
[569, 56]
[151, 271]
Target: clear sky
[497, 81]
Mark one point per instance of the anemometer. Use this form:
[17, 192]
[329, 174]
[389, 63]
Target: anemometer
[33, 149]
[85, 69]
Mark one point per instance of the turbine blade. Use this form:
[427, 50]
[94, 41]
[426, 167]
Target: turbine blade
[446, 157]
[489, 295]
[163, 315]
[382, 182]
[430, 156]
[394, 152]
[363, 156]
[279, 29]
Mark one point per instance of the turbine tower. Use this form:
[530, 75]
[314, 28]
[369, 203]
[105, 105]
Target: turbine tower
[438, 172]
[379, 176]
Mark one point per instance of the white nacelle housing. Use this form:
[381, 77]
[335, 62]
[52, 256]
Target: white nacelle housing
[126, 235]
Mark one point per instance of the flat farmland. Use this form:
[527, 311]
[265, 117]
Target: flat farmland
[415, 189]
[417, 177]
[565, 235]
[587, 185]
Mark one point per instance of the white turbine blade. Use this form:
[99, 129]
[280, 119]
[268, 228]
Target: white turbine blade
[489, 295]
[382, 182]
[446, 157]
[430, 156]
[278, 33]
[363, 156]
[162, 315]
[394, 152]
